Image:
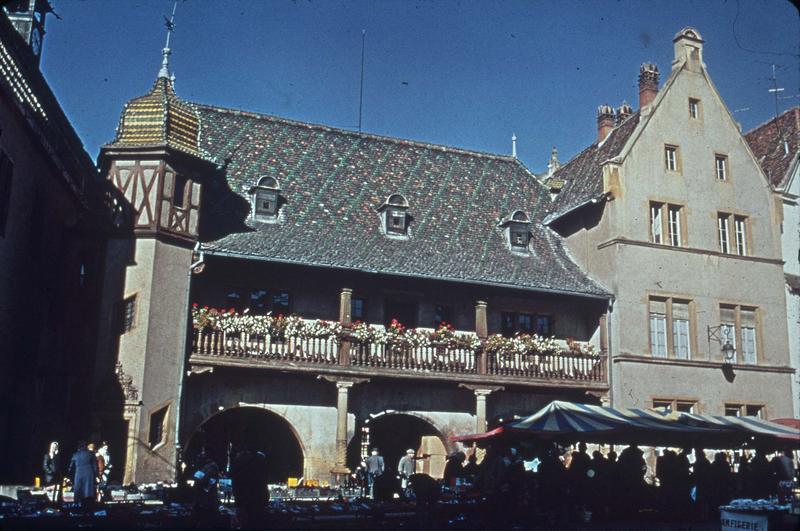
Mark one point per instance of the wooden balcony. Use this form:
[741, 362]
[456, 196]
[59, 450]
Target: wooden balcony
[565, 368]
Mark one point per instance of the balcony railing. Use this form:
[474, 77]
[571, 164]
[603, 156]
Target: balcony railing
[563, 365]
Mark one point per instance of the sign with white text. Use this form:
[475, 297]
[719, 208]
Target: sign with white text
[733, 521]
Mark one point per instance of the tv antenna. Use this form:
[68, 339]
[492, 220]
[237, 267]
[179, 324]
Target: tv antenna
[361, 88]
[777, 90]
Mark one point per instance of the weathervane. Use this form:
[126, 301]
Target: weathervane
[170, 24]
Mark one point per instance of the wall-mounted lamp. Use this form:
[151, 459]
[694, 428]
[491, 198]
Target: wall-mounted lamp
[722, 335]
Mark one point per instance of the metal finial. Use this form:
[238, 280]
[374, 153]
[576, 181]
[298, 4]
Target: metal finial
[514, 145]
[170, 24]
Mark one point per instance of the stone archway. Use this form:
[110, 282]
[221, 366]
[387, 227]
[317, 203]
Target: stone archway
[393, 433]
[226, 431]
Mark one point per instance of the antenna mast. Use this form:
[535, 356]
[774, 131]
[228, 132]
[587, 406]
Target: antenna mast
[361, 89]
[775, 90]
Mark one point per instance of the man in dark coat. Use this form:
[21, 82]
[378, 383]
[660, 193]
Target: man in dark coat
[375, 469]
[52, 467]
[250, 488]
[83, 471]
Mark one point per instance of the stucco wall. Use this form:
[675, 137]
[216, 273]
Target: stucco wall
[616, 250]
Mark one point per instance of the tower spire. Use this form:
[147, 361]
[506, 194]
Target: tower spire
[165, 53]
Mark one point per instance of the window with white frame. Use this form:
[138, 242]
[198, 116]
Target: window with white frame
[721, 165]
[741, 410]
[656, 223]
[658, 328]
[694, 108]
[672, 404]
[747, 317]
[670, 327]
[680, 330]
[740, 327]
[674, 217]
[666, 224]
[740, 226]
[735, 243]
[722, 228]
[671, 158]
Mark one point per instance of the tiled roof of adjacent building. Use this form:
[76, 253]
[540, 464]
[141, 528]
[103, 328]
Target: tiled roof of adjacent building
[583, 175]
[332, 181]
[767, 143]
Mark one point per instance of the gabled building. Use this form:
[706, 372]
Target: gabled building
[324, 247]
[776, 145]
[49, 258]
[671, 211]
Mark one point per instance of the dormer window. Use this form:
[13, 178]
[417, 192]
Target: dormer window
[517, 231]
[266, 196]
[394, 215]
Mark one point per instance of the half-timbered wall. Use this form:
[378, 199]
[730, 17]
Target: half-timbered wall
[149, 186]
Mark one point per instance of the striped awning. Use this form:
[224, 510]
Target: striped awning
[568, 417]
[748, 426]
[570, 422]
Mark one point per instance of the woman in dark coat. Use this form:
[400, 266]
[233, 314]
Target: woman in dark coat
[52, 468]
[83, 470]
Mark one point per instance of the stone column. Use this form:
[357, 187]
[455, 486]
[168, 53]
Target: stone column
[482, 331]
[481, 392]
[342, 390]
[481, 325]
[343, 386]
[480, 409]
[345, 298]
[345, 318]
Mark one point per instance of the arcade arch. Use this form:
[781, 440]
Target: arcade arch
[395, 432]
[225, 432]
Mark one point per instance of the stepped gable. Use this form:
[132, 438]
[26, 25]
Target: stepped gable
[582, 176]
[333, 181]
[767, 143]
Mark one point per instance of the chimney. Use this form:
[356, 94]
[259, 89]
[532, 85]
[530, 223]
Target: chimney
[605, 121]
[623, 112]
[648, 84]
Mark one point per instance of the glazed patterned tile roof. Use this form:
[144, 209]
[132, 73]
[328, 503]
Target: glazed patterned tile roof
[159, 118]
[583, 175]
[332, 182]
[767, 143]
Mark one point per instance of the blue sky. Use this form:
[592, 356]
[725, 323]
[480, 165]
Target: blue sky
[461, 73]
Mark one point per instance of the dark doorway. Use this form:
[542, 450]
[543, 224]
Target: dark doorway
[403, 311]
[225, 433]
[394, 433]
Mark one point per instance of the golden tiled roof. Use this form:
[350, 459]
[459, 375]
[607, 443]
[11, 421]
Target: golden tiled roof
[159, 118]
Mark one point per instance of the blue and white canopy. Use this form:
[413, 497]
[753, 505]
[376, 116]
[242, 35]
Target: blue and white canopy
[569, 422]
[596, 423]
[748, 426]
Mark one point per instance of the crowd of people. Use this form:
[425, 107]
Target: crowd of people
[685, 485]
[87, 471]
[561, 485]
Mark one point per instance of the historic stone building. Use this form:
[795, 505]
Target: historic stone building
[776, 145]
[263, 275]
[49, 266]
[260, 215]
[670, 210]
